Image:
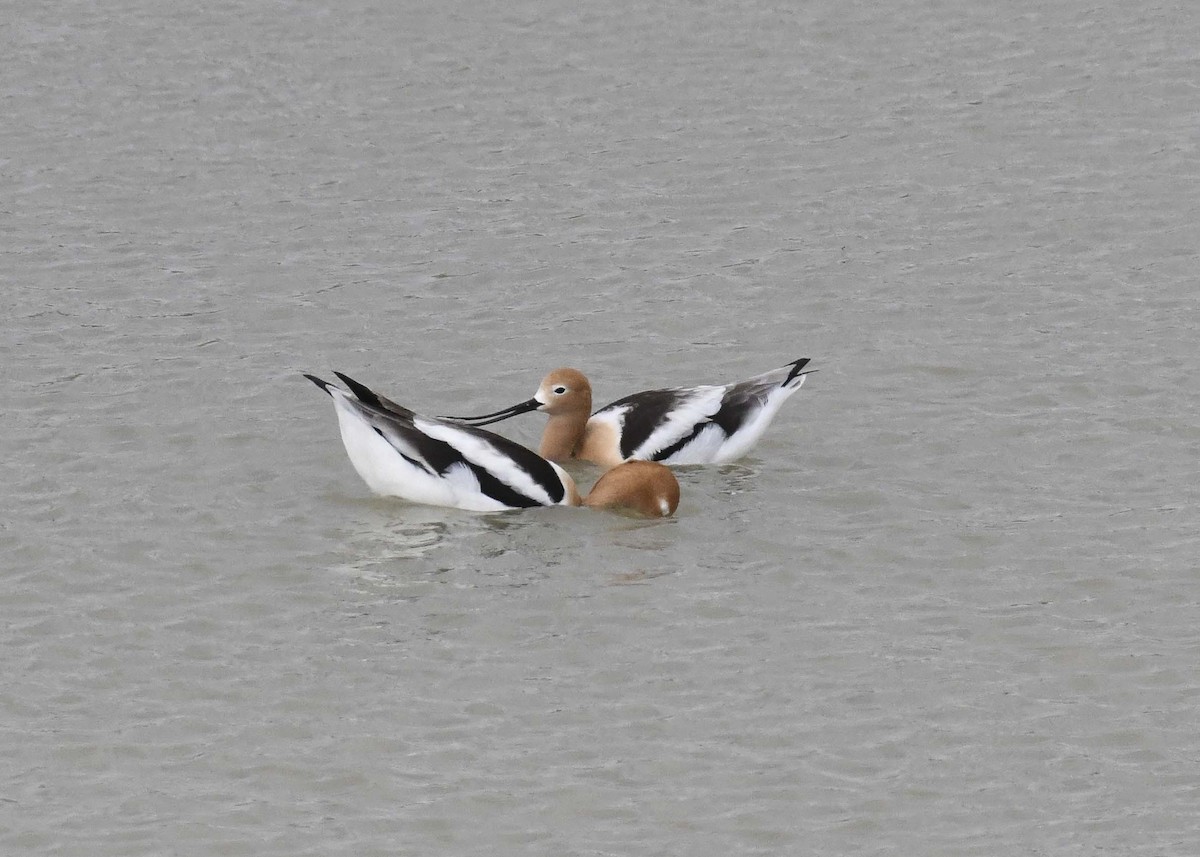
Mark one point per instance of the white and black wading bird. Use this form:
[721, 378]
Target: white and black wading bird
[436, 462]
[681, 425]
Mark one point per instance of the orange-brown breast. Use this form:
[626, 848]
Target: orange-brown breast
[600, 444]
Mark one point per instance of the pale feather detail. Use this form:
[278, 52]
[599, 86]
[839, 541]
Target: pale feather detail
[603, 430]
[774, 377]
[466, 490]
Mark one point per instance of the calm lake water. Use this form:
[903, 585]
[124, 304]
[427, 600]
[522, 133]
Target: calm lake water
[950, 606]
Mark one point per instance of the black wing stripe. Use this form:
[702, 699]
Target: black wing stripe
[442, 456]
[737, 404]
[647, 411]
[414, 462]
[539, 469]
[501, 491]
[664, 454]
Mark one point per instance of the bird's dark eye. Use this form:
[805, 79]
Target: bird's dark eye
[559, 390]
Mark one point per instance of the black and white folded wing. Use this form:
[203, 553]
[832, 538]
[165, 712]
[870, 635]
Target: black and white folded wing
[426, 460]
[700, 425]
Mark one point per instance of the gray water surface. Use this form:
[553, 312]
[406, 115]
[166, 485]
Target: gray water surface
[947, 607]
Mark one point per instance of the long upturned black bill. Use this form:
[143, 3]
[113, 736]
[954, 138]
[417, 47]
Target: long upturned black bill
[488, 419]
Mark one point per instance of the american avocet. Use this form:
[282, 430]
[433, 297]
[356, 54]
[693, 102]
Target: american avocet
[428, 460]
[645, 487]
[681, 425]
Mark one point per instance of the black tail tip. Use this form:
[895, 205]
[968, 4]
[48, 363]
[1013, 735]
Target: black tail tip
[797, 370]
[361, 391]
[324, 385]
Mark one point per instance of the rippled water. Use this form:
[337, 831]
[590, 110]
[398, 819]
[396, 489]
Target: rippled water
[949, 607]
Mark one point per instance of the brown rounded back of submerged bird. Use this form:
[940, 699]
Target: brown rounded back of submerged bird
[645, 487]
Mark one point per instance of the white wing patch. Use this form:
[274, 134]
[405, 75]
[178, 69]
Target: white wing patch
[702, 449]
[693, 407]
[380, 465]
